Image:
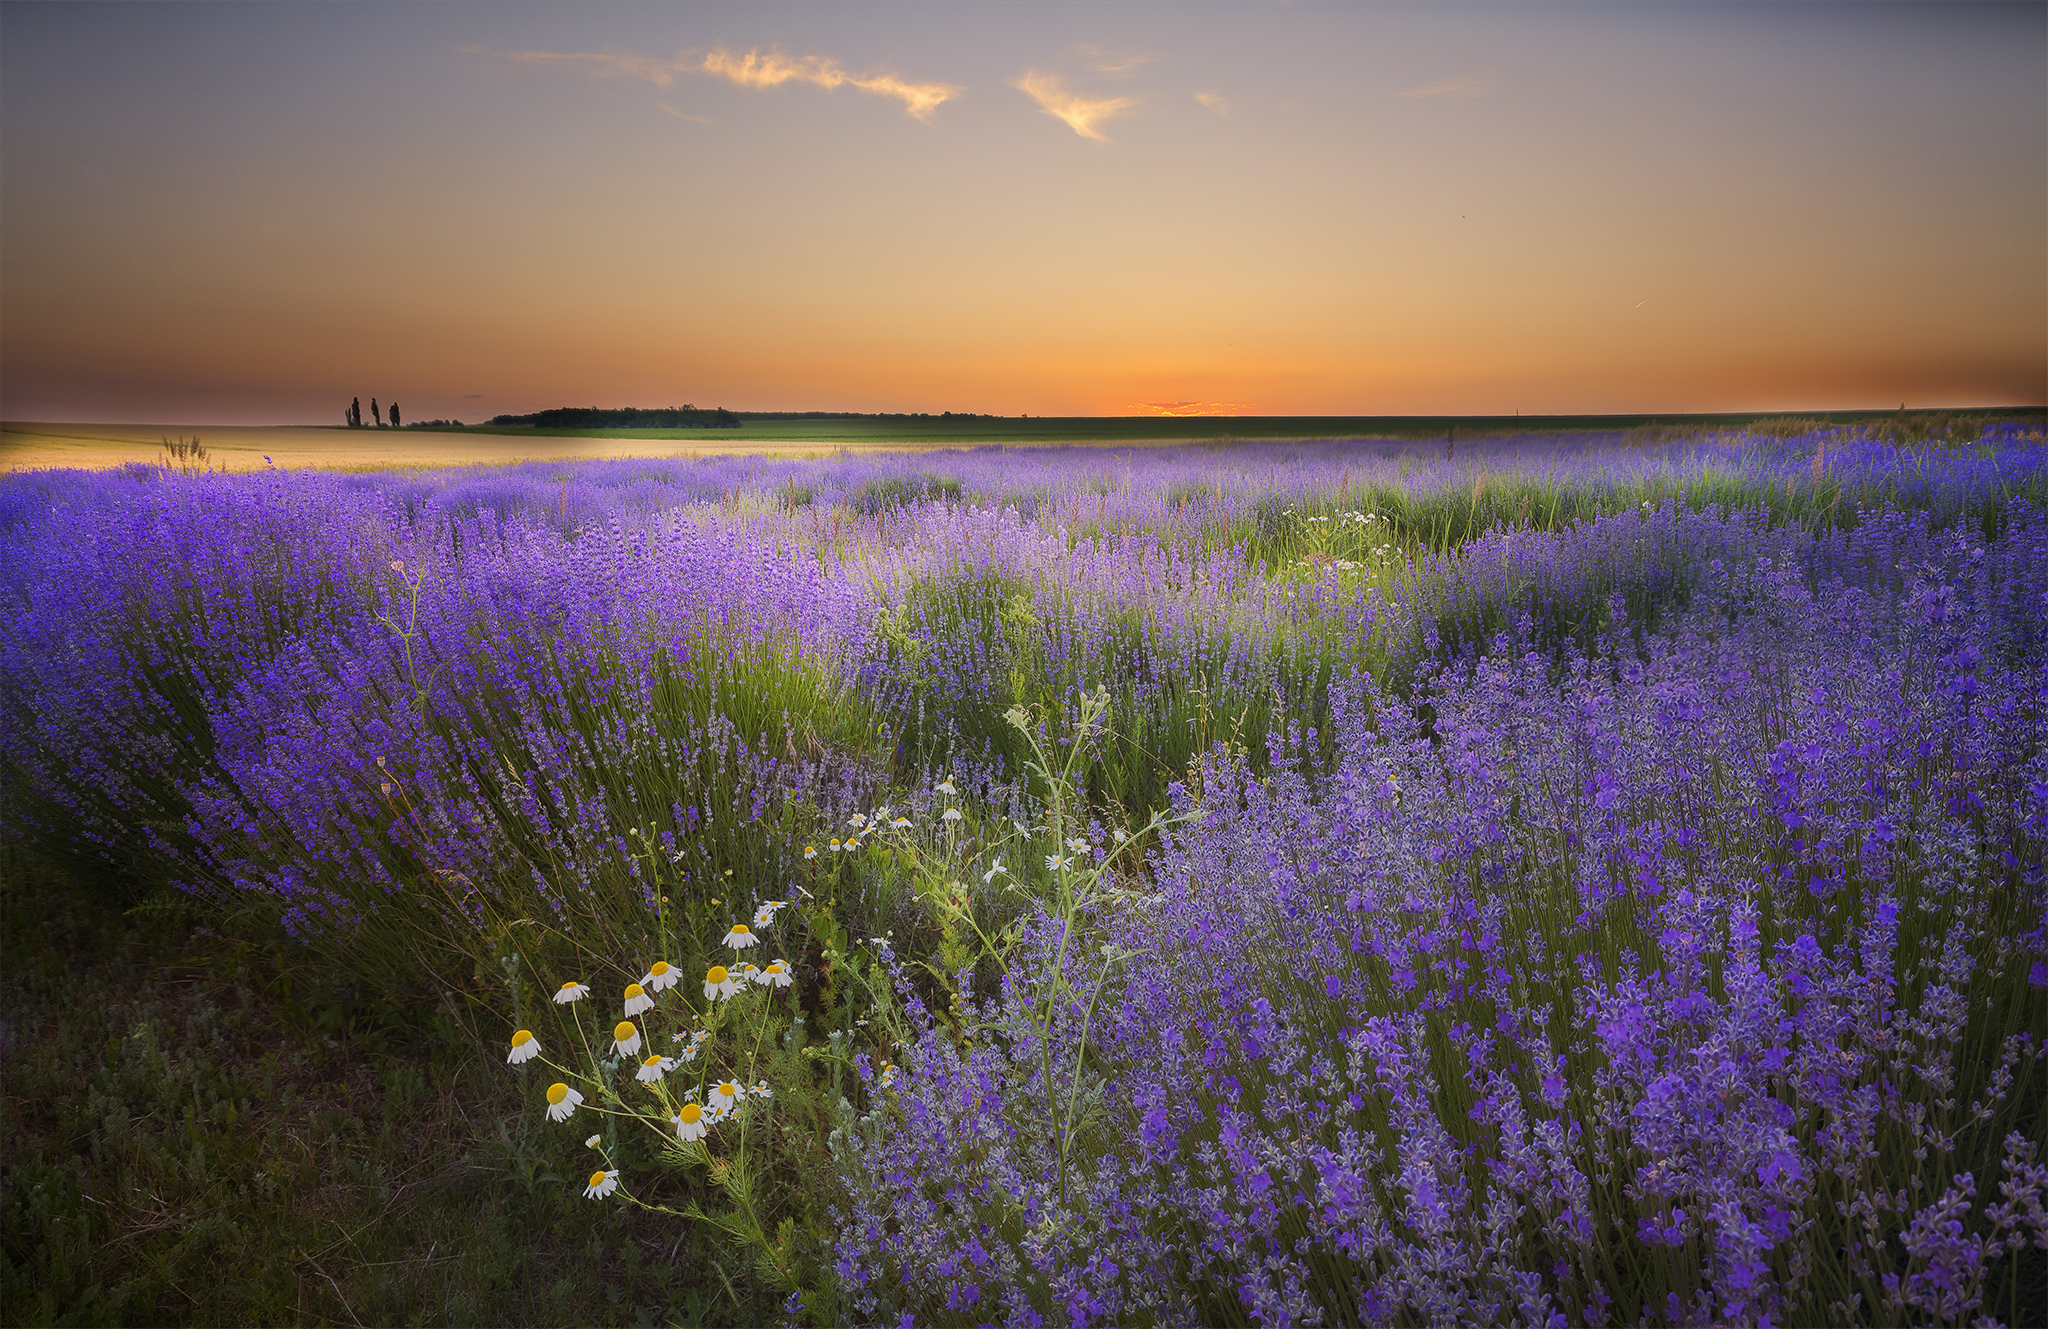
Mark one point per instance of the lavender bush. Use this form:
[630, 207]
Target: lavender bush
[1606, 879]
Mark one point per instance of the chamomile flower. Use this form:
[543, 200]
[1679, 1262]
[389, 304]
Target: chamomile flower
[765, 915]
[810, 851]
[760, 1089]
[726, 1097]
[749, 973]
[661, 977]
[602, 1183]
[626, 1038]
[888, 1076]
[690, 1122]
[1078, 846]
[901, 823]
[569, 992]
[1053, 862]
[562, 1101]
[835, 846]
[775, 975]
[652, 1069]
[637, 999]
[951, 814]
[591, 1143]
[719, 983]
[741, 937]
[525, 1047]
[692, 1042]
[856, 821]
[997, 870]
[946, 787]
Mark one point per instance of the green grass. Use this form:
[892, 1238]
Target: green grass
[210, 1129]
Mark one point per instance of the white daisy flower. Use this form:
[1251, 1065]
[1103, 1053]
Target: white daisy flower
[719, 983]
[562, 1101]
[810, 851]
[888, 1076]
[775, 975]
[525, 1047]
[726, 1097]
[749, 974]
[950, 814]
[690, 1123]
[694, 1042]
[1053, 862]
[637, 999]
[900, 823]
[661, 977]
[946, 787]
[569, 992]
[835, 846]
[1078, 846]
[761, 1090]
[998, 870]
[591, 1143]
[741, 937]
[856, 821]
[626, 1038]
[602, 1183]
[652, 1069]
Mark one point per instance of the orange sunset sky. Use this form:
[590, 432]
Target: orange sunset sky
[250, 213]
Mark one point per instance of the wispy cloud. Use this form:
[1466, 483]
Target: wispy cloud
[1080, 113]
[752, 68]
[1215, 101]
[755, 69]
[600, 64]
[1178, 408]
[1472, 85]
[685, 115]
[1102, 62]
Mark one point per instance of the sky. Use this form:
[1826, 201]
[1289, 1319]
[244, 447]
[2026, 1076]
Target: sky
[251, 213]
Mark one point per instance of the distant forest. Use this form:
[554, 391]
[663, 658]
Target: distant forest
[625, 417]
[864, 415]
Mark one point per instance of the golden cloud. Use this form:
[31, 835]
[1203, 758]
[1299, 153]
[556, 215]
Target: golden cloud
[1215, 101]
[749, 69]
[1080, 113]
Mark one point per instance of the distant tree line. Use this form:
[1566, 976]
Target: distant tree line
[625, 417]
[864, 415]
[436, 424]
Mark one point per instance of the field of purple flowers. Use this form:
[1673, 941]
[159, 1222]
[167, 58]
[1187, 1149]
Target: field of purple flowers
[1575, 881]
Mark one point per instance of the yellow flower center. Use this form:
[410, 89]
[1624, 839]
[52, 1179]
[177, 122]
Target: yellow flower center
[660, 968]
[556, 1093]
[568, 986]
[597, 1177]
[716, 974]
[654, 1060]
[739, 929]
[634, 990]
[522, 1038]
[726, 1090]
[690, 1114]
[775, 968]
[624, 1031]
